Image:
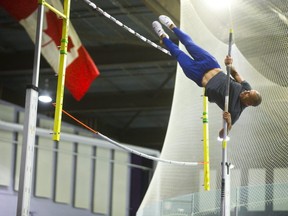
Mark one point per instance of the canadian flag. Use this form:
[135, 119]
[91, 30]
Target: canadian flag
[80, 70]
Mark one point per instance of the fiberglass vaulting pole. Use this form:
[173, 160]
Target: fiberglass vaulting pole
[225, 181]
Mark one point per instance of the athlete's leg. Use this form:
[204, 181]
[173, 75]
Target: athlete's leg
[204, 60]
[192, 69]
[198, 53]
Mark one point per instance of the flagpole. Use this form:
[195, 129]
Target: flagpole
[29, 129]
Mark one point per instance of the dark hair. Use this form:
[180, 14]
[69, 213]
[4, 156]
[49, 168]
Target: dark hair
[257, 99]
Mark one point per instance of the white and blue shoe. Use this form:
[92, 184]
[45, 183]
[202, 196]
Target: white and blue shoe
[159, 30]
[165, 20]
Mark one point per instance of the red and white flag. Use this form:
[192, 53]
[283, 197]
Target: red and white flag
[80, 70]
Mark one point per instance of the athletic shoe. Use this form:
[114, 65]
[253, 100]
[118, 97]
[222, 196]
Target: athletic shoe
[159, 30]
[165, 20]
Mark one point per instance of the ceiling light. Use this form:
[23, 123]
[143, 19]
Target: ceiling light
[44, 95]
[45, 98]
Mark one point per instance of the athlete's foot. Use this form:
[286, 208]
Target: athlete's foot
[159, 30]
[165, 20]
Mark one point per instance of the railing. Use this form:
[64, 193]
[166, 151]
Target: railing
[270, 199]
[83, 174]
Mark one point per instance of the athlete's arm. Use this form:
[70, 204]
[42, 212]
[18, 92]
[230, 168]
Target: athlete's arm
[227, 118]
[237, 77]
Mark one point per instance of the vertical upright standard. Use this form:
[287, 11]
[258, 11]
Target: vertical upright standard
[61, 71]
[206, 143]
[31, 105]
[29, 130]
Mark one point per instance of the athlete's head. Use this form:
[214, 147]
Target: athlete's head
[251, 98]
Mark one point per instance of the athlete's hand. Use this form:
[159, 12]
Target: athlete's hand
[228, 60]
[221, 133]
[227, 118]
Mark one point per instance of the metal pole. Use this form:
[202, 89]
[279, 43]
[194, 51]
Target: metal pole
[225, 181]
[29, 130]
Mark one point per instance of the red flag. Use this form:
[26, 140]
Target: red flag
[80, 70]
